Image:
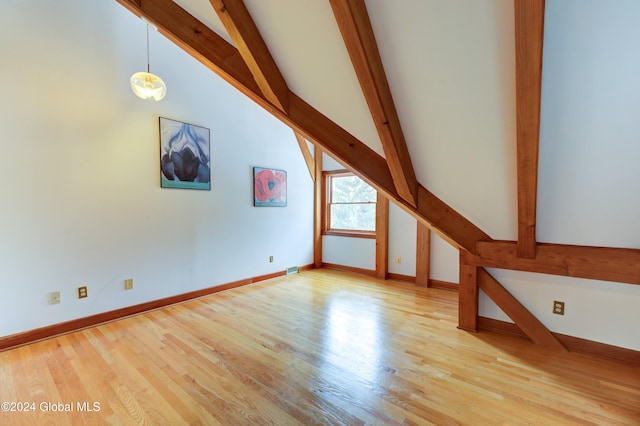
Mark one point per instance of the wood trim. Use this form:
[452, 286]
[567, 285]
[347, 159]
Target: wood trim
[401, 277]
[423, 255]
[20, 339]
[307, 267]
[350, 234]
[529, 34]
[318, 197]
[382, 237]
[245, 35]
[576, 344]
[599, 263]
[497, 326]
[335, 266]
[443, 285]
[354, 23]
[528, 323]
[440, 285]
[306, 154]
[467, 296]
[573, 344]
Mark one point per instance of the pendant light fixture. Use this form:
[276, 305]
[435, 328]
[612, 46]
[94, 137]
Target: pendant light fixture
[146, 85]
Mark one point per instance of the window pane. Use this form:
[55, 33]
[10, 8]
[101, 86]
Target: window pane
[351, 189]
[360, 217]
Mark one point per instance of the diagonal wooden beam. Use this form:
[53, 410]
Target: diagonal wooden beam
[245, 35]
[357, 32]
[215, 53]
[461, 233]
[306, 153]
[529, 324]
[529, 34]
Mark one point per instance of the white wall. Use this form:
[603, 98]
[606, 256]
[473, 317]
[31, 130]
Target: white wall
[81, 202]
[402, 242]
[347, 251]
[589, 150]
[445, 260]
[589, 174]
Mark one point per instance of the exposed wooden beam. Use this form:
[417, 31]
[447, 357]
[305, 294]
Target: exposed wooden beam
[317, 206]
[245, 35]
[460, 232]
[529, 324]
[599, 263]
[529, 34]
[197, 40]
[423, 255]
[467, 295]
[306, 153]
[382, 237]
[357, 32]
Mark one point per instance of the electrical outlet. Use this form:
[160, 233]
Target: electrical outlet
[54, 297]
[82, 292]
[558, 307]
[128, 284]
[270, 259]
[398, 261]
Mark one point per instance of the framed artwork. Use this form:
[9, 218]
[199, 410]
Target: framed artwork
[269, 187]
[184, 155]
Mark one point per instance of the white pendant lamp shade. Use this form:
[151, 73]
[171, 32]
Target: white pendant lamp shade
[146, 85]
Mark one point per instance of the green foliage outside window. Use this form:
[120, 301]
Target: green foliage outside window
[352, 203]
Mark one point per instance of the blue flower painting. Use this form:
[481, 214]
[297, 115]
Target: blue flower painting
[184, 155]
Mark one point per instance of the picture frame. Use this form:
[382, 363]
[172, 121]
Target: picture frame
[185, 155]
[269, 187]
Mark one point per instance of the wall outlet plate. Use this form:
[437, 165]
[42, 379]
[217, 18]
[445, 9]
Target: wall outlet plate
[128, 284]
[54, 297]
[558, 307]
[82, 292]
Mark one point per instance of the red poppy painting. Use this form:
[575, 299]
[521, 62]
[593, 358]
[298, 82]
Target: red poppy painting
[269, 187]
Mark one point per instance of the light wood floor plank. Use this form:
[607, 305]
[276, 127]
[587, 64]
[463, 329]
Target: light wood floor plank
[320, 347]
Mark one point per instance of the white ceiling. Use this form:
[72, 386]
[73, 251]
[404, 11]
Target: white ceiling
[450, 65]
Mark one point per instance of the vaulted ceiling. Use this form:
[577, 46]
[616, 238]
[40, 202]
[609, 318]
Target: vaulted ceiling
[437, 103]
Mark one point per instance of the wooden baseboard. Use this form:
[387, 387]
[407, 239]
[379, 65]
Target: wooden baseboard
[368, 272]
[573, 344]
[400, 277]
[49, 331]
[443, 285]
[306, 267]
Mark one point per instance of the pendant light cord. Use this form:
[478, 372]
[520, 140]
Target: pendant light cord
[148, 67]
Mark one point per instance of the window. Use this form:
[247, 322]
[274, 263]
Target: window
[350, 206]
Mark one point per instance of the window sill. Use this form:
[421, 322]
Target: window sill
[351, 234]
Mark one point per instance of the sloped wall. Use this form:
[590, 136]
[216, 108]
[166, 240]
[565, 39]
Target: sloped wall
[81, 202]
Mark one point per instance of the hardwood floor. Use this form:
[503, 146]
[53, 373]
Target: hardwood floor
[320, 347]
